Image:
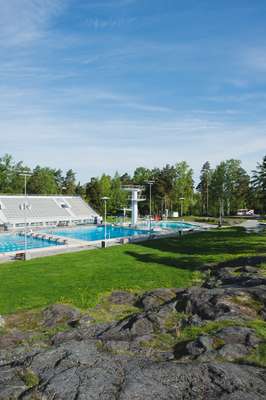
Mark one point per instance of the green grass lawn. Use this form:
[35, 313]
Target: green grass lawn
[227, 221]
[81, 278]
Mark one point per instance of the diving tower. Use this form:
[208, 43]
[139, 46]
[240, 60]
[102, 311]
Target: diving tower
[135, 191]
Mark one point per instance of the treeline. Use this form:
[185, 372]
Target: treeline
[223, 189]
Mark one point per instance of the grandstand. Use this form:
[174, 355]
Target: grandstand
[38, 211]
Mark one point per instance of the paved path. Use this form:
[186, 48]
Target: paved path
[251, 224]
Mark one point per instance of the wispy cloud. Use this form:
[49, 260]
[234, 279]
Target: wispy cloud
[124, 143]
[108, 23]
[256, 58]
[26, 100]
[110, 3]
[24, 21]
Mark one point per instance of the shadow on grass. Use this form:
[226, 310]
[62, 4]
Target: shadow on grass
[196, 251]
[229, 241]
[186, 263]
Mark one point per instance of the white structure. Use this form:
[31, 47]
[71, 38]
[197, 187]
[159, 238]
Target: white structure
[175, 214]
[44, 211]
[135, 190]
[245, 212]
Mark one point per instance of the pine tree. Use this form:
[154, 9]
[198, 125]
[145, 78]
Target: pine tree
[203, 186]
[259, 184]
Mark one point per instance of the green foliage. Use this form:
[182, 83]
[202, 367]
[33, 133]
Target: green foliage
[224, 189]
[259, 326]
[204, 187]
[70, 182]
[29, 377]
[259, 185]
[10, 180]
[258, 356]
[247, 301]
[192, 332]
[107, 312]
[161, 341]
[229, 188]
[42, 181]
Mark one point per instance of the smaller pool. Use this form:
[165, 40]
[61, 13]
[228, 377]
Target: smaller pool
[13, 242]
[172, 225]
[97, 232]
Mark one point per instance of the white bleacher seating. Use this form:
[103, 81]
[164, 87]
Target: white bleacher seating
[44, 210]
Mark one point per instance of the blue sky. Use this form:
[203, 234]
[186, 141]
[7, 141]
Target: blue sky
[106, 85]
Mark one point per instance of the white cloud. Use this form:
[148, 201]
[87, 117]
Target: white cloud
[24, 21]
[255, 58]
[108, 23]
[107, 145]
[110, 3]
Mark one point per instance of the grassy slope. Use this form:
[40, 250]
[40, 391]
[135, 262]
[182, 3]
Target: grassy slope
[79, 278]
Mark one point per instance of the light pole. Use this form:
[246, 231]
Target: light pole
[150, 183]
[221, 211]
[105, 198]
[25, 207]
[181, 200]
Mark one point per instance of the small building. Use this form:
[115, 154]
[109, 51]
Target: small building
[42, 211]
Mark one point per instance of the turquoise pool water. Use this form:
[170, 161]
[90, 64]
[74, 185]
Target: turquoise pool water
[172, 225]
[13, 242]
[112, 232]
[97, 232]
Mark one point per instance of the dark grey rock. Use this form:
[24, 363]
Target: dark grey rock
[59, 313]
[122, 297]
[238, 335]
[129, 328]
[232, 352]
[82, 370]
[169, 381]
[11, 384]
[156, 298]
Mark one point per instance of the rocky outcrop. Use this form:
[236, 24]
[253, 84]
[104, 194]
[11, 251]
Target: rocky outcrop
[199, 343]
[79, 370]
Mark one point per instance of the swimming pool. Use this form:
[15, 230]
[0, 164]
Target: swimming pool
[14, 242]
[173, 225]
[97, 232]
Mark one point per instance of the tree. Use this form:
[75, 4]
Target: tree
[80, 190]
[229, 187]
[203, 187]
[10, 179]
[42, 181]
[217, 190]
[126, 179]
[118, 197]
[259, 184]
[183, 194]
[94, 194]
[70, 182]
[141, 175]
[59, 179]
